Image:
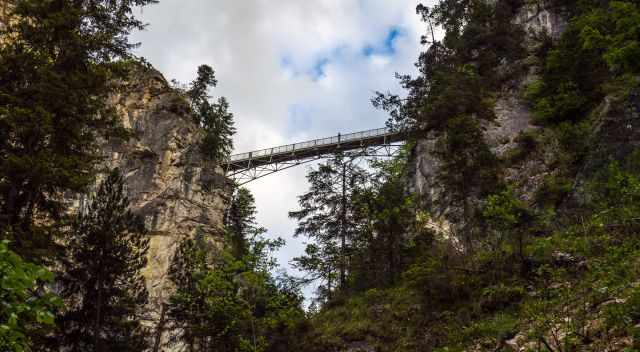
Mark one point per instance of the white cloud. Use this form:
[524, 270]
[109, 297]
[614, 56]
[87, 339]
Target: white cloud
[270, 56]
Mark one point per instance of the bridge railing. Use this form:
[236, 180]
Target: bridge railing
[290, 148]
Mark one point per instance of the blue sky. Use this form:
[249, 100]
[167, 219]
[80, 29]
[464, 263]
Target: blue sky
[292, 70]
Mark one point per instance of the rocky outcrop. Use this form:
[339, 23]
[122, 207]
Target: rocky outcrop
[168, 183]
[512, 118]
[542, 17]
[4, 13]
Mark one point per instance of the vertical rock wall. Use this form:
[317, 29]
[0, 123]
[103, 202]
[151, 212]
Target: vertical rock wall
[168, 183]
[513, 117]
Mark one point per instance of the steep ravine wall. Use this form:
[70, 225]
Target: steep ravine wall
[512, 117]
[168, 183]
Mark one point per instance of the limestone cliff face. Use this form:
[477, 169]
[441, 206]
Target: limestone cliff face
[512, 117]
[168, 183]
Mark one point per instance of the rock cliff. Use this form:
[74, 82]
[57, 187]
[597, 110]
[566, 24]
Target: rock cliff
[168, 183]
[512, 118]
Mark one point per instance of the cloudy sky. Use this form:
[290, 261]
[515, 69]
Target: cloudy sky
[292, 70]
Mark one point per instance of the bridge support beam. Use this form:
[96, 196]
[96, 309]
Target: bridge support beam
[254, 171]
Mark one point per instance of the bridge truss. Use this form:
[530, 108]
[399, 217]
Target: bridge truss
[246, 167]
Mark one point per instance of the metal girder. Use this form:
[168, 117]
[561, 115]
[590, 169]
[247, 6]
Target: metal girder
[254, 171]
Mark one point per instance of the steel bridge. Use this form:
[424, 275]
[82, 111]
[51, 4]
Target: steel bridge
[380, 142]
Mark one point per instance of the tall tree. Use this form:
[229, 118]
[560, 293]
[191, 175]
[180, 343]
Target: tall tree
[388, 215]
[103, 282]
[203, 308]
[59, 61]
[326, 216]
[240, 222]
[226, 298]
[214, 118]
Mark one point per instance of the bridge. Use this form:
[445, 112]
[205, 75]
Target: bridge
[380, 142]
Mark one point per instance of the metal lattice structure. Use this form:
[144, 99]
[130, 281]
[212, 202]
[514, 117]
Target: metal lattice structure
[380, 142]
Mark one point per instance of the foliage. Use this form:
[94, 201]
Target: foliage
[459, 72]
[599, 48]
[206, 309]
[327, 216]
[555, 266]
[25, 307]
[388, 217]
[468, 165]
[59, 61]
[227, 298]
[214, 118]
[103, 282]
[241, 223]
[510, 219]
[613, 32]
[381, 319]
[527, 143]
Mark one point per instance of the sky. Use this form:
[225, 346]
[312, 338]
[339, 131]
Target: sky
[292, 70]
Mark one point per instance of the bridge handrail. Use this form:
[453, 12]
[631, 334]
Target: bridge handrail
[349, 137]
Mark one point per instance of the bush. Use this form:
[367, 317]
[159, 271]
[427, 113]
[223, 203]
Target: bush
[25, 309]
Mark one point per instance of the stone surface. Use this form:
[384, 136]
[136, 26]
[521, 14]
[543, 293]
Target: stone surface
[540, 17]
[167, 182]
[512, 117]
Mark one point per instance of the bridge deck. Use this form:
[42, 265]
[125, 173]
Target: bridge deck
[312, 148]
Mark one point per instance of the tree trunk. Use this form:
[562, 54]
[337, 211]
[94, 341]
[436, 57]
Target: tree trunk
[343, 235]
[96, 329]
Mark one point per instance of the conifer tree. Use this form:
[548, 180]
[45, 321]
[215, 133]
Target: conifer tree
[387, 214]
[59, 61]
[241, 222]
[326, 216]
[190, 321]
[215, 119]
[227, 299]
[103, 282]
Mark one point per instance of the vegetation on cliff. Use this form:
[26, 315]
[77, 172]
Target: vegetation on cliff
[531, 249]
[61, 63]
[551, 267]
[101, 281]
[58, 63]
[227, 299]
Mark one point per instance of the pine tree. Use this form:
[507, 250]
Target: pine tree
[103, 282]
[227, 299]
[387, 214]
[326, 216]
[240, 222]
[215, 119]
[59, 61]
[189, 320]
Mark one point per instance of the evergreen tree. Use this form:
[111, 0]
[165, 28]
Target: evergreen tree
[469, 168]
[103, 282]
[241, 223]
[387, 214]
[205, 308]
[59, 61]
[215, 119]
[227, 299]
[326, 216]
